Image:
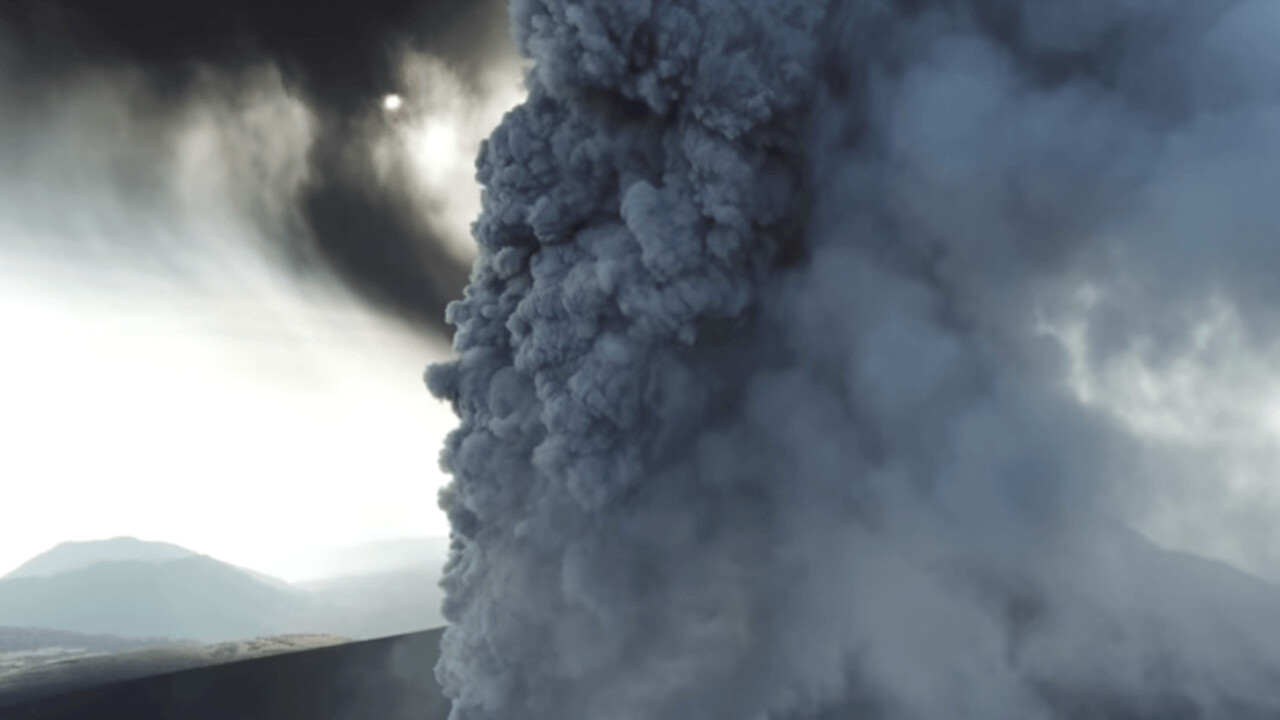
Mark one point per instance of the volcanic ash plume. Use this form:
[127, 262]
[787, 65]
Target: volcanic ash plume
[766, 365]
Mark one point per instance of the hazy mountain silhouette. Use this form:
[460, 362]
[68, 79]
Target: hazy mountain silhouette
[380, 604]
[195, 598]
[162, 592]
[71, 556]
[138, 589]
[379, 589]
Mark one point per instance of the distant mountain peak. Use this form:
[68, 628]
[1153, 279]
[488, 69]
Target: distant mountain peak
[77, 555]
[190, 598]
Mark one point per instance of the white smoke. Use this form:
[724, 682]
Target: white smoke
[104, 169]
[817, 355]
[424, 147]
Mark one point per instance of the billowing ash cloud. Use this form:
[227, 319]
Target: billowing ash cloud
[786, 369]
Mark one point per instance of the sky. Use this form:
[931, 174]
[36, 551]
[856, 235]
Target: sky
[245, 426]
[225, 250]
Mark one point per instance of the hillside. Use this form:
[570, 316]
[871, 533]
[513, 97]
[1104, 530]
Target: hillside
[379, 604]
[28, 639]
[58, 674]
[386, 679]
[190, 598]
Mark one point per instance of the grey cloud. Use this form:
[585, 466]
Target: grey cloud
[701, 474]
[99, 101]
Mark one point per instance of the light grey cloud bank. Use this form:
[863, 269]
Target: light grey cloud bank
[808, 363]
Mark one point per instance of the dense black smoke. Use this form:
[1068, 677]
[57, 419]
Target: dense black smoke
[770, 366]
[337, 59]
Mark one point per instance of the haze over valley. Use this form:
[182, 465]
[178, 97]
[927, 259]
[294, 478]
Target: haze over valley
[124, 595]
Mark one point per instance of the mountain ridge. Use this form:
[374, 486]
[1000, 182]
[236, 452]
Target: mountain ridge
[73, 555]
[79, 554]
[141, 589]
[188, 598]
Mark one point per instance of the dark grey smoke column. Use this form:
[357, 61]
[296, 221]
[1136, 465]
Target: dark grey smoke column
[632, 206]
[759, 415]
